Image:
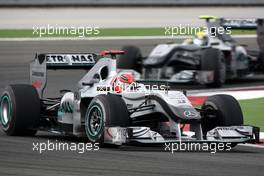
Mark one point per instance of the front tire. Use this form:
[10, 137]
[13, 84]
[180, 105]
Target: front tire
[105, 111]
[221, 110]
[20, 110]
[261, 60]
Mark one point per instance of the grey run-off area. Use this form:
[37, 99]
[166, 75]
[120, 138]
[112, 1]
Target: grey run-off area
[20, 18]
[127, 2]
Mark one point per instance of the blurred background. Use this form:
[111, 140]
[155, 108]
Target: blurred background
[127, 2]
[121, 13]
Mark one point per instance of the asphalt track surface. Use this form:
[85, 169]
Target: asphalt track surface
[18, 158]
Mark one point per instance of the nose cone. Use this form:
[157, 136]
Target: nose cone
[186, 114]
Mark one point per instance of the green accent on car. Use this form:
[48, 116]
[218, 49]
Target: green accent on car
[60, 113]
[204, 17]
[67, 107]
[5, 120]
[92, 133]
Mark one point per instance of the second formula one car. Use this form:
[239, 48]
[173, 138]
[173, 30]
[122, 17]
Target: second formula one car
[208, 58]
[112, 108]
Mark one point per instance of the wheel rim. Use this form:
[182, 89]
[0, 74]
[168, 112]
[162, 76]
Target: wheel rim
[5, 110]
[94, 121]
[210, 108]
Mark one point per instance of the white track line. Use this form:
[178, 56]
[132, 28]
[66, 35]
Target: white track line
[252, 145]
[239, 95]
[255, 145]
[227, 89]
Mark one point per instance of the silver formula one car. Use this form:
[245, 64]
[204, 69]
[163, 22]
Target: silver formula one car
[211, 57]
[112, 108]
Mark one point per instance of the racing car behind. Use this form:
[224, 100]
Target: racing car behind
[210, 57]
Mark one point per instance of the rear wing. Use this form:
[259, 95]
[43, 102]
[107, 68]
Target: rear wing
[253, 23]
[234, 23]
[56, 61]
[67, 61]
[239, 23]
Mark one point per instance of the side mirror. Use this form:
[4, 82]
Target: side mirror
[91, 83]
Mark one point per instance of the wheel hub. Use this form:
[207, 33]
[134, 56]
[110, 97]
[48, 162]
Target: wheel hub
[95, 120]
[5, 110]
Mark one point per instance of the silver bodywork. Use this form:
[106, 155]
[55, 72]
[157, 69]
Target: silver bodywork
[171, 104]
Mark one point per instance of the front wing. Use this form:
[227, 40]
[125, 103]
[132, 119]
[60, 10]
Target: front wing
[144, 135]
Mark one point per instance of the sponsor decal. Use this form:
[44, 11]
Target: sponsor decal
[190, 114]
[103, 88]
[70, 59]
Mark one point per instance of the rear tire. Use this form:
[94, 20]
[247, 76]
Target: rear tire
[213, 59]
[261, 60]
[131, 59]
[20, 110]
[228, 113]
[106, 111]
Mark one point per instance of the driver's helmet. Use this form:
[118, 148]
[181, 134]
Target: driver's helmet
[201, 39]
[122, 82]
